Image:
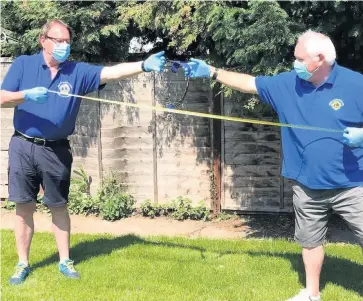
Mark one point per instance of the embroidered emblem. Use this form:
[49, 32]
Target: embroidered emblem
[336, 104]
[64, 88]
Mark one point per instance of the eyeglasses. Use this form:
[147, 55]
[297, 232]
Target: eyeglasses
[59, 41]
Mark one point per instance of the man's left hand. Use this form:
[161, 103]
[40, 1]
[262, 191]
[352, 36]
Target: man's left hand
[353, 137]
[197, 69]
[155, 62]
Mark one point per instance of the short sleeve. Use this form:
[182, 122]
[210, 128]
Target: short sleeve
[91, 77]
[14, 76]
[267, 86]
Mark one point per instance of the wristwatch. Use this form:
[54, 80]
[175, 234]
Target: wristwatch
[215, 74]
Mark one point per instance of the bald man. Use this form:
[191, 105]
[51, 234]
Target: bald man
[326, 168]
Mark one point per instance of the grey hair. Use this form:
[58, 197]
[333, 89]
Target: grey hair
[318, 43]
[47, 26]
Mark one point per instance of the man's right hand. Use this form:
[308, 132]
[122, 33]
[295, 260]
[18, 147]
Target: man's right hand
[37, 95]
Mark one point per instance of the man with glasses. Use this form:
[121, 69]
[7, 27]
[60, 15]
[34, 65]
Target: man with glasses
[39, 151]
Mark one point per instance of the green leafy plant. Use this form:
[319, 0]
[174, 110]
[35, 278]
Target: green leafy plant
[152, 210]
[114, 203]
[8, 205]
[180, 209]
[80, 199]
[117, 206]
[199, 212]
[109, 187]
[223, 216]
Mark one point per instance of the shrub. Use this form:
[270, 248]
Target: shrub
[80, 199]
[114, 203]
[180, 208]
[153, 210]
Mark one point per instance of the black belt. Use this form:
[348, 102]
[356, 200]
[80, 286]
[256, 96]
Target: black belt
[43, 142]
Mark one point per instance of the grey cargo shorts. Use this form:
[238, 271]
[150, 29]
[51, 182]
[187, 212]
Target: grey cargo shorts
[313, 207]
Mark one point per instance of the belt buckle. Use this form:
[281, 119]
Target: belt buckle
[40, 141]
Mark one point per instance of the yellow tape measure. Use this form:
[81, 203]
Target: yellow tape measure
[205, 115]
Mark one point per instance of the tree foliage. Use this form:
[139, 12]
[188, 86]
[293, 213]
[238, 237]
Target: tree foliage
[256, 37]
[342, 21]
[98, 32]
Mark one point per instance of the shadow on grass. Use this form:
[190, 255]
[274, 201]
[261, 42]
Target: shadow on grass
[342, 272]
[338, 271]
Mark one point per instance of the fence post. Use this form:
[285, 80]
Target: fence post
[155, 149]
[100, 164]
[216, 151]
[282, 181]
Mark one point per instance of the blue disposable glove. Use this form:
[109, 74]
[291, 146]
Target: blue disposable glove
[37, 95]
[353, 137]
[197, 68]
[154, 62]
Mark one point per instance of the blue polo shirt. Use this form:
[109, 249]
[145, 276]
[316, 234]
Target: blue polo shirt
[317, 159]
[56, 118]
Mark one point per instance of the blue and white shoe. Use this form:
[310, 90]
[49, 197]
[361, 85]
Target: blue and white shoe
[67, 268]
[21, 272]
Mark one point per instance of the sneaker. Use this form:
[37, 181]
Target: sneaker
[66, 267]
[21, 272]
[304, 296]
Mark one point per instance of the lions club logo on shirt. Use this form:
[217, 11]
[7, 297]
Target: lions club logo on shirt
[336, 104]
[64, 89]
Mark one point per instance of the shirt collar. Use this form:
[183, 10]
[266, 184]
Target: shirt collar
[42, 61]
[333, 74]
[330, 80]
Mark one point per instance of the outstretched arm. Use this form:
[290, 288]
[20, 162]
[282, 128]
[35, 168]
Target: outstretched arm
[154, 62]
[238, 81]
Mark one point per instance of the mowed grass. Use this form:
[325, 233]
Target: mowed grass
[160, 268]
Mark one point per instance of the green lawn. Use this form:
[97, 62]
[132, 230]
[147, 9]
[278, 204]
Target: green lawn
[158, 268]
